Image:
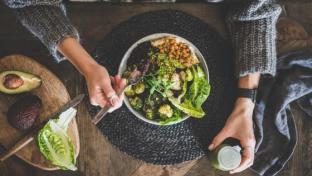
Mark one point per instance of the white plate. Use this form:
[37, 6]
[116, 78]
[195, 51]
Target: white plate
[123, 67]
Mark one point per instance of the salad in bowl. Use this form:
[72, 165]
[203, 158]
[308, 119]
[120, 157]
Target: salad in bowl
[173, 79]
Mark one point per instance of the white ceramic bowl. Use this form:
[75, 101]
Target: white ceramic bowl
[123, 66]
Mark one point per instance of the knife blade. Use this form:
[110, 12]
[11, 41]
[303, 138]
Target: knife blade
[31, 134]
[71, 104]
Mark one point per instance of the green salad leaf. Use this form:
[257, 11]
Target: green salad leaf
[200, 72]
[188, 77]
[187, 107]
[184, 89]
[193, 91]
[55, 144]
[203, 88]
[203, 93]
[177, 115]
[197, 94]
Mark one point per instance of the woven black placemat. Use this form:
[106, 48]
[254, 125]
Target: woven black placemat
[184, 141]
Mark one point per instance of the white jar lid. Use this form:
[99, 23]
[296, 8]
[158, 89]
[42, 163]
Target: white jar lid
[229, 158]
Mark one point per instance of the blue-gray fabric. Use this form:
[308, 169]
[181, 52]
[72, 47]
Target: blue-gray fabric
[252, 24]
[275, 128]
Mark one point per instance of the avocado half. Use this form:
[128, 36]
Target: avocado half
[15, 82]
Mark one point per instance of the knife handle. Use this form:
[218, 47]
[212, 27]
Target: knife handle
[18, 146]
[98, 117]
[101, 114]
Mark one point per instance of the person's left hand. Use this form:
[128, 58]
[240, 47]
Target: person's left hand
[239, 126]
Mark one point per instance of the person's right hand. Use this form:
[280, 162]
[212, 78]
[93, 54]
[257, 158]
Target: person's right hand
[239, 125]
[101, 91]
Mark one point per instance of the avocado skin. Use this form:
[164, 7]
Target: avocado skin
[29, 82]
[23, 113]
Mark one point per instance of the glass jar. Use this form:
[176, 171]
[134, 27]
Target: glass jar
[225, 157]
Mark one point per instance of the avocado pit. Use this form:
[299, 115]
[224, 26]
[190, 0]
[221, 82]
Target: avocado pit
[12, 81]
[16, 82]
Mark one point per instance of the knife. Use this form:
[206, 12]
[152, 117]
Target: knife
[29, 137]
[134, 78]
[102, 113]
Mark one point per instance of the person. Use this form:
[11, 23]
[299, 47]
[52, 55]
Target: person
[252, 25]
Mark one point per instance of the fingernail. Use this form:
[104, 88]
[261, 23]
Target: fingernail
[211, 146]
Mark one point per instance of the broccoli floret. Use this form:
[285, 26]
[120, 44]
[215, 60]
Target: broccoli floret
[165, 111]
[129, 91]
[149, 114]
[139, 88]
[155, 99]
[136, 103]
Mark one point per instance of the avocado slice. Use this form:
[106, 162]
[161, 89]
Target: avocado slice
[15, 82]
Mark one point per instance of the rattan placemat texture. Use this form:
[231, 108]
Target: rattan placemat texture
[187, 140]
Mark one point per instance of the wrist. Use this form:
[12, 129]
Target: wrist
[77, 55]
[244, 106]
[88, 67]
[250, 81]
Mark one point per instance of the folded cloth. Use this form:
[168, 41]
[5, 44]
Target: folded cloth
[274, 125]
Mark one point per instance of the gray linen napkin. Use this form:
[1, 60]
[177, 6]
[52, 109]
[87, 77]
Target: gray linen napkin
[274, 125]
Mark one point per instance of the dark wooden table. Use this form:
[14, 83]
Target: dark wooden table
[97, 156]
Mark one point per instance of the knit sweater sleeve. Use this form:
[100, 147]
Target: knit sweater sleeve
[252, 25]
[47, 20]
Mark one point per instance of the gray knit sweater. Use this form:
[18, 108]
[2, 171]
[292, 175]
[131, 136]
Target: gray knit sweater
[252, 24]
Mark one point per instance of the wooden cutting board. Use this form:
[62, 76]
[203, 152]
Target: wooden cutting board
[53, 95]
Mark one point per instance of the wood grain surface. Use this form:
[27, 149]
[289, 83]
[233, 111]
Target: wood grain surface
[97, 156]
[53, 95]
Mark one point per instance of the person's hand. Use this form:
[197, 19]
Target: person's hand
[101, 91]
[239, 126]
[104, 89]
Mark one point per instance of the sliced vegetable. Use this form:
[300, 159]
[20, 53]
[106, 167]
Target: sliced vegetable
[55, 144]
